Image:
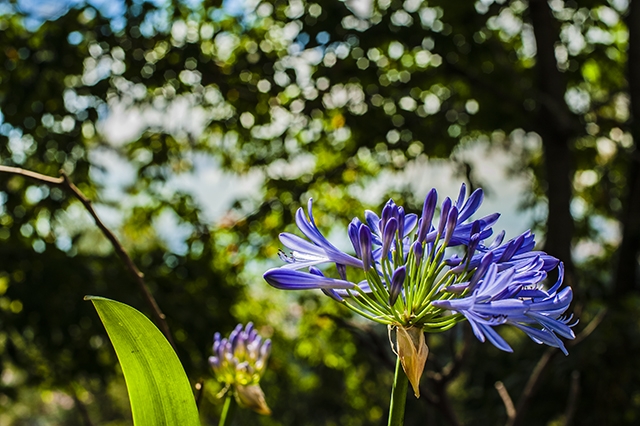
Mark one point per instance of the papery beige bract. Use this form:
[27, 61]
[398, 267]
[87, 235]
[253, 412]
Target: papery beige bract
[252, 397]
[413, 352]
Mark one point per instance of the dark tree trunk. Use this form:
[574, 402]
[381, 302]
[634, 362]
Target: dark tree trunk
[626, 273]
[555, 124]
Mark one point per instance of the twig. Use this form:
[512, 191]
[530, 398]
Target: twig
[506, 399]
[443, 403]
[453, 368]
[32, 175]
[199, 392]
[590, 328]
[532, 386]
[64, 182]
[82, 409]
[536, 375]
[572, 402]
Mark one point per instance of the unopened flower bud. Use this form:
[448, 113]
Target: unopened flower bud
[397, 281]
[444, 215]
[388, 235]
[365, 246]
[428, 210]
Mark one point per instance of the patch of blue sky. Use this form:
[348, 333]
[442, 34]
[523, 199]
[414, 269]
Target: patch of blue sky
[213, 189]
[5, 129]
[111, 171]
[109, 8]
[75, 38]
[173, 231]
[235, 7]
[3, 200]
[44, 10]
[100, 71]
[36, 12]
[115, 175]
[6, 8]
[490, 166]
[113, 10]
[216, 190]
[156, 21]
[323, 37]
[192, 4]
[243, 10]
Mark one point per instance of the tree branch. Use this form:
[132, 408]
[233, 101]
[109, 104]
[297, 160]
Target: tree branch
[64, 182]
[532, 386]
[453, 368]
[536, 375]
[199, 391]
[82, 409]
[506, 399]
[572, 402]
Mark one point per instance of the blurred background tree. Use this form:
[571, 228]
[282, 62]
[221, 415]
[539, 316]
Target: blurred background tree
[198, 128]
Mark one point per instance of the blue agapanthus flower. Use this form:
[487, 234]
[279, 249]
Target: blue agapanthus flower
[418, 274]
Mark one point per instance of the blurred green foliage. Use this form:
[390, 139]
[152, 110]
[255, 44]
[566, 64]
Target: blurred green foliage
[317, 99]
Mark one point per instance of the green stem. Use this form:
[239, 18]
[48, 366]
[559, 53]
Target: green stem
[228, 409]
[398, 396]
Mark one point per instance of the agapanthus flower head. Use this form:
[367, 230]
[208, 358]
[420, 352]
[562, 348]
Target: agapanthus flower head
[239, 362]
[418, 273]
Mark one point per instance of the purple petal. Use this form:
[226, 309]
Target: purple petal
[353, 230]
[558, 283]
[498, 240]
[332, 294]
[397, 281]
[388, 236]
[362, 285]
[428, 210]
[417, 251]
[504, 307]
[461, 195]
[373, 221]
[487, 260]
[293, 242]
[495, 339]
[444, 215]
[410, 222]
[364, 236]
[483, 328]
[554, 325]
[542, 336]
[452, 221]
[287, 279]
[471, 206]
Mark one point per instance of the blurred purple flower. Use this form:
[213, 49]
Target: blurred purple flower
[239, 361]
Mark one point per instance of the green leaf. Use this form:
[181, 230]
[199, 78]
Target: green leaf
[159, 390]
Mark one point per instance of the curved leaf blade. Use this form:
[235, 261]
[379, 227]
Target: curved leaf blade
[159, 391]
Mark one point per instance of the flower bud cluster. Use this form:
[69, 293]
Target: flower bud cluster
[241, 358]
